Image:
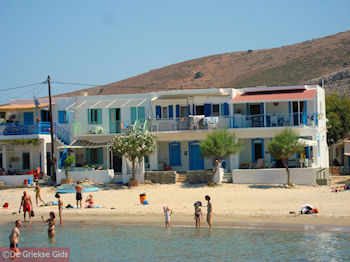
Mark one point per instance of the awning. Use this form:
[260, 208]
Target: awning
[86, 144]
[117, 103]
[15, 107]
[307, 142]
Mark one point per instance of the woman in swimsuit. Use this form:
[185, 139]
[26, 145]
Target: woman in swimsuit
[60, 207]
[90, 202]
[197, 215]
[51, 221]
[38, 195]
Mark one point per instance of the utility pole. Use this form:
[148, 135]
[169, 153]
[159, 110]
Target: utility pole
[52, 158]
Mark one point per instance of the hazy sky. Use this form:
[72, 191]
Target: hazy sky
[103, 41]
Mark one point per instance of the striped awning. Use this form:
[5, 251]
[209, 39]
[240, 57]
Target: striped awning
[86, 144]
[117, 103]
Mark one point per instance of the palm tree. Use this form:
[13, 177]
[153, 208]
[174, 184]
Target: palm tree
[219, 145]
[283, 146]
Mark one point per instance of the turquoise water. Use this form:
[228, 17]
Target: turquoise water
[127, 243]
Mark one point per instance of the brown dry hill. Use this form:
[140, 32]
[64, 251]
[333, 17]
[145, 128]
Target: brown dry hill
[287, 65]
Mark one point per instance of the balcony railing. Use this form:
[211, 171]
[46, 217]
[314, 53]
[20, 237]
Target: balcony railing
[33, 128]
[236, 121]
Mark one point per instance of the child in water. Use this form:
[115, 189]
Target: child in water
[197, 215]
[167, 214]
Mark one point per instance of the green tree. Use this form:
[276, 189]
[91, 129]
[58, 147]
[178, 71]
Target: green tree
[134, 145]
[338, 115]
[283, 146]
[67, 163]
[219, 145]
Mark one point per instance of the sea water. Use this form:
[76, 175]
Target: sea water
[106, 242]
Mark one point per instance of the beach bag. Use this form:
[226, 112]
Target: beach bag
[6, 205]
[32, 213]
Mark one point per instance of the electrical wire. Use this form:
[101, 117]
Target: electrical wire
[74, 84]
[18, 87]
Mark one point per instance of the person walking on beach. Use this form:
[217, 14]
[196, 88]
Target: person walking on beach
[197, 215]
[60, 207]
[51, 221]
[209, 211]
[38, 195]
[78, 197]
[27, 204]
[167, 213]
[14, 236]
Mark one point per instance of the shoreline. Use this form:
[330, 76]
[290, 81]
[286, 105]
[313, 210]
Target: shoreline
[294, 223]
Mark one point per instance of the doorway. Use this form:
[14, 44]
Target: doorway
[117, 164]
[195, 156]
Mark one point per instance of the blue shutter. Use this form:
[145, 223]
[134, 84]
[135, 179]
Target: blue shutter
[262, 108]
[99, 116]
[89, 116]
[171, 111]
[28, 117]
[88, 156]
[305, 113]
[141, 113]
[226, 110]
[174, 154]
[207, 109]
[133, 115]
[248, 113]
[100, 155]
[158, 112]
[222, 109]
[67, 116]
[177, 109]
[60, 117]
[193, 110]
[188, 110]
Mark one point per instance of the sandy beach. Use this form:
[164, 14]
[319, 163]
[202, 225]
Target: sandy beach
[233, 205]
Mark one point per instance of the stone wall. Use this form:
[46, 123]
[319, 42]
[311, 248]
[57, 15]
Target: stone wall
[162, 177]
[199, 176]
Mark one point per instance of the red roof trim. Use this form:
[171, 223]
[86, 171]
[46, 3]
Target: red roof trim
[275, 96]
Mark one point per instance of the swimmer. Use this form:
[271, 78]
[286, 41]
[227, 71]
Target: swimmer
[38, 195]
[78, 197]
[27, 204]
[14, 237]
[167, 213]
[51, 221]
[209, 211]
[198, 215]
[60, 207]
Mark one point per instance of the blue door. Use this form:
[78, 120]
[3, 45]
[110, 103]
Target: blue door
[28, 117]
[195, 157]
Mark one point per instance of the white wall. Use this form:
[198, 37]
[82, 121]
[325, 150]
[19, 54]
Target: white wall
[15, 180]
[299, 176]
[104, 176]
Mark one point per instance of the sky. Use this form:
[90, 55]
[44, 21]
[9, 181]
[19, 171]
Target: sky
[99, 42]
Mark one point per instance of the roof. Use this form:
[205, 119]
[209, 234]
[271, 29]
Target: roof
[86, 144]
[297, 94]
[10, 107]
[106, 103]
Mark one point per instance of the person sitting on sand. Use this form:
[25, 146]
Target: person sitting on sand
[90, 202]
[60, 207]
[308, 209]
[167, 213]
[340, 188]
[27, 204]
[38, 195]
[51, 221]
[14, 237]
[197, 215]
[78, 197]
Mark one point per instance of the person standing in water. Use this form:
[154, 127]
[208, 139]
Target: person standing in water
[167, 213]
[197, 215]
[51, 221]
[60, 207]
[38, 195]
[14, 237]
[78, 197]
[209, 211]
[27, 204]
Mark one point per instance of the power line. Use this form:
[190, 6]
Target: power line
[18, 87]
[74, 84]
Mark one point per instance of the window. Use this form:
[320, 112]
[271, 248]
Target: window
[165, 112]
[199, 110]
[94, 116]
[183, 111]
[26, 164]
[137, 113]
[62, 117]
[94, 156]
[216, 110]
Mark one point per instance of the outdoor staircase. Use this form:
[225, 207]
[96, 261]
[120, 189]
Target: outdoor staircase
[227, 178]
[182, 178]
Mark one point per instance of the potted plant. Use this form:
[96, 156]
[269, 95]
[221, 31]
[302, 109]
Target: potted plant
[67, 163]
[86, 167]
[92, 167]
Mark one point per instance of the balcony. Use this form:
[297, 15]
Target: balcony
[236, 121]
[34, 128]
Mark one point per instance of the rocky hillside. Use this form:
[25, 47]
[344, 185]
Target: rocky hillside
[301, 63]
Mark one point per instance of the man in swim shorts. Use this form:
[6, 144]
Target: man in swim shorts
[14, 236]
[78, 197]
[26, 202]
